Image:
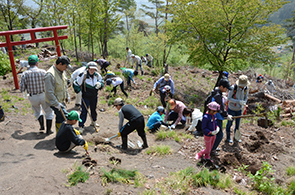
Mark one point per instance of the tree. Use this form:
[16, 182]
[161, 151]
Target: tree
[224, 33]
[154, 12]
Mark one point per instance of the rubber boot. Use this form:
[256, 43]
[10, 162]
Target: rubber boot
[41, 122]
[57, 126]
[124, 143]
[141, 73]
[145, 145]
[48, 127]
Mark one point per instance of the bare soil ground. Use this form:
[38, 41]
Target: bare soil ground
[30, 163]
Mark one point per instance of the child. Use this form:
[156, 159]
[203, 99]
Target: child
[195, 115]
[210, 129]
[67, 138]
[155, 121]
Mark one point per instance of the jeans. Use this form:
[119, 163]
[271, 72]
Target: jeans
[229, 123]
[219, 135]
[90, 102]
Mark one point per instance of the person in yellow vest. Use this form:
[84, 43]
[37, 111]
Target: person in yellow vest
[56, 92]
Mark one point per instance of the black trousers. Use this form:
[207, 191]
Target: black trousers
[137, 124]
[122, 89]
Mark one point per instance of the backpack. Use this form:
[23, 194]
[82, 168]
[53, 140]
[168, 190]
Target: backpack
[2, 115]
[234, 94]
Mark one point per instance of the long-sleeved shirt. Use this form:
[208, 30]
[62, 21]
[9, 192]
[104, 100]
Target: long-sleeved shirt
[50, 88]
[270, 87]
[129, 53]
[116, 81]
[128, 73]
[163, 83]
[149, 58]
[240, 95]
[76, 73]
[155, 117]
[136, 60]
[32, 80]
[65, 136]
[143, 59]
[178, 109]
[89, 84]
[196, 116]
[209, 124]
[130, 113]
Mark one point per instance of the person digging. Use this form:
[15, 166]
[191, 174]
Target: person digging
[67, 137]
[135, 121]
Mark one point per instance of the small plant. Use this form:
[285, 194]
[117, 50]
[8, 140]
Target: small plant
[242, 169]
[79, 175]
[205, 177]
[118, 175]
[291, 170]
[161, 135]
[159, 150]
[291, 188]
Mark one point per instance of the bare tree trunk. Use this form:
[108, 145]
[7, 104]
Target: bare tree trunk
[75, 41]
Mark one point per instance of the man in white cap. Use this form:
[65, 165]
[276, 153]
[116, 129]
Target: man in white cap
[136, 59]
[90, 83]
[135, 121]
[237, 98]
[162, 82]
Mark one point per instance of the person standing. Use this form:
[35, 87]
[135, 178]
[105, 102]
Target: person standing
[32, 81]
[67, 138]
[135, 121]
[149, 59]
[136, 59]
[162, 82]
[56, 92]
[210, 129]
[73, 78]
[90, 83]
[237, 98]
[216, 96]
[116, 81]
[24, 46]
[128, 57]
[103, 65]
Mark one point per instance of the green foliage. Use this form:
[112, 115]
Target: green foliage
[290, 171]
[291, 188]
[4, 63]
[79, 175]
[205, 177]
[159, 150]
[287, 123]
[118, 175]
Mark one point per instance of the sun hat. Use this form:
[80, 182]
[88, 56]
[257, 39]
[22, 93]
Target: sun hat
[243, 81]
[92, 65]
[118, 102]
[74, 115]
[166, 77]
[33, 59]
[214, 106]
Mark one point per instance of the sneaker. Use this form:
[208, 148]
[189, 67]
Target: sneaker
[229, 140]
[214, 153]
[94, 124]
[238, 140]
[218, 149]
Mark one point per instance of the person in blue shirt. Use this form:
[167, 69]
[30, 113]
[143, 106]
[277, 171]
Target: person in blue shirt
[162, 82]
[128, 74]
[155, 121]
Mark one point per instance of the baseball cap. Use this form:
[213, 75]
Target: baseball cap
[118, 101]
[74, 115]
[33, 59]
[225, 83]
[166, 77]
[63, 60]
[132, 55]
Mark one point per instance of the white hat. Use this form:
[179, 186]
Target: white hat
[132, 55]
[243, 81]
[92, 65]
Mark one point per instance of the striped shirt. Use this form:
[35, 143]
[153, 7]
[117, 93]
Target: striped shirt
[32, 80]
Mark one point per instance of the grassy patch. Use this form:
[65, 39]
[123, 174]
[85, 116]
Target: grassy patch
[161, 150]
[290, 170]
[162, 135]
[79, 174]
[122, 176]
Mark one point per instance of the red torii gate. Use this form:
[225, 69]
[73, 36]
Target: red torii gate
[32, 31]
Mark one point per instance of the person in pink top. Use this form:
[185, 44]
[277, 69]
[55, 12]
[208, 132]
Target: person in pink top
[175, 113]
[210, 129]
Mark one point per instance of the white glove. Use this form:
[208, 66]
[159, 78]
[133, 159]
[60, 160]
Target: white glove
[172, 126]
[98, 85]
[215, 132]
[229, 117]
[243, 103]
[60, 105]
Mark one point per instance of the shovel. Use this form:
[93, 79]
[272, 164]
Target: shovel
[96, 129]
[114, 136]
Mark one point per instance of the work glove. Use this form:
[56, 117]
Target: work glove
[215, 132]
[77, 132]
[172, 126]
[60, 105]
[98, 85]
[242, 103]
[85, 146]
[229, 117]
